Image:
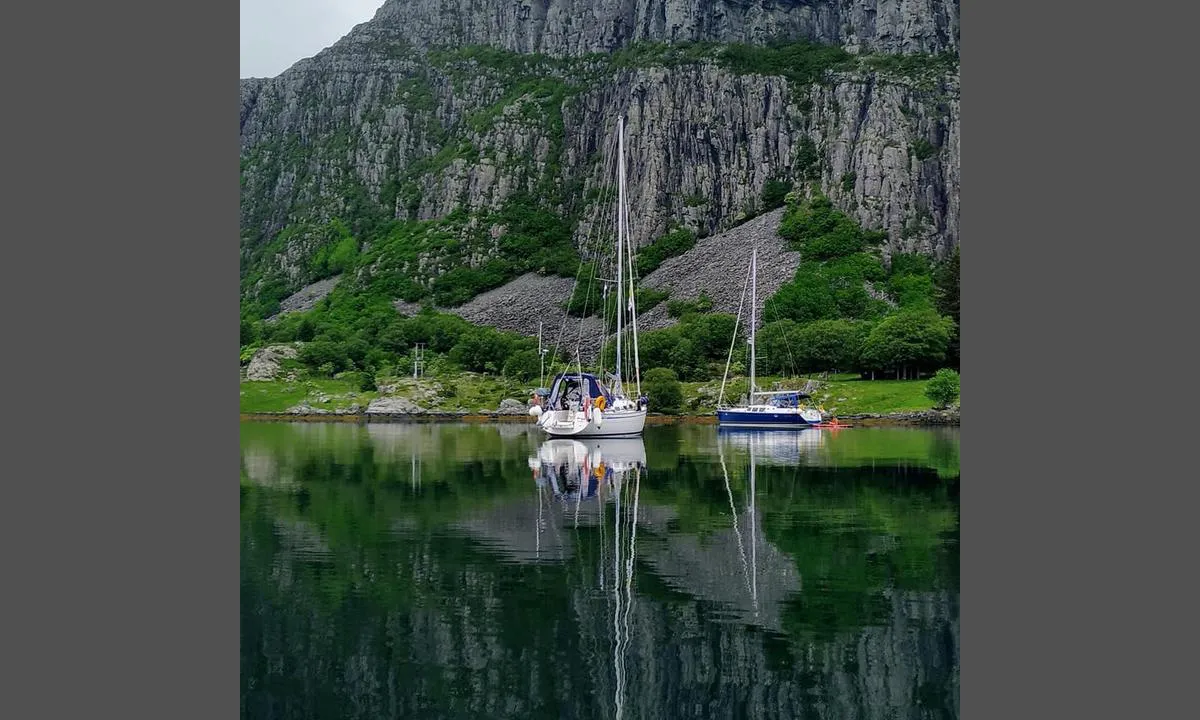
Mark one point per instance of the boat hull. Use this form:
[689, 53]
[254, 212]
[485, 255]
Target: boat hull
[573, 423]
[764, 419]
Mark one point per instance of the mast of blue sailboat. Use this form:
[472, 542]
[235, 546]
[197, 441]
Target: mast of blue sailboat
[753, 319]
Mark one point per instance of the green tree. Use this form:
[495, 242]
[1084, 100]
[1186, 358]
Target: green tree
[249, 332]
[774, 192]
[481, 350]
[909, 340]
[654, 348]
[945, 282]
[807, 297]
[307, 329]
[324, 356]
[943, 388]
[712, 334]
[687, 360]
[522, 365]
[661, 386]
[775, 345]
[828, 345]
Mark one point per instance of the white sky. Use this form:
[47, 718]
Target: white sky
[277, 33]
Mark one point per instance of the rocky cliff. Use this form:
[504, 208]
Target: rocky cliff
[576, 27]
[456, 110]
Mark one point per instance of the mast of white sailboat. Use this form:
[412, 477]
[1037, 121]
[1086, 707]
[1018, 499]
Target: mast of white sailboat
[637, 369]
[753, 308]
[620, 236]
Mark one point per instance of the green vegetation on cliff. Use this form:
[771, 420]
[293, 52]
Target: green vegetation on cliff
[842, 312]
[326, 213]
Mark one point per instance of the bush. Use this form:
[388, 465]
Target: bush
[673, 244]
[774, 192]
[522, 365]
[942, 388]
[249, 332]
[663, 390]
[324, 357]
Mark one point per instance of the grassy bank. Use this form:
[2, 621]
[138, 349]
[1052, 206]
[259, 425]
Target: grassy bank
[839, 394]
[842, 395]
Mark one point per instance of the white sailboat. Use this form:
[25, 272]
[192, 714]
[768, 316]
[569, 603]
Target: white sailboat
[782, 408]
[585, 404]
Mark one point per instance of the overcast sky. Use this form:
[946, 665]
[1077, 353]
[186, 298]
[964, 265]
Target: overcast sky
[277, 33]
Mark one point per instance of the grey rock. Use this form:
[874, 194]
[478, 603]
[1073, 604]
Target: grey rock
[375, 106]
[393, 406]
[576, 27]
[509, 406]
[306, 298]
[265, 363]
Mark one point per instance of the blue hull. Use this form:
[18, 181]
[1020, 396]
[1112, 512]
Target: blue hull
[738, 418]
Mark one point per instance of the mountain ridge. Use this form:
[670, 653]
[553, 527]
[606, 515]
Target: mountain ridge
[387, 126]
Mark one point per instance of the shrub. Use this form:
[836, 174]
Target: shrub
[673, 244]
[774, 193]
[942, 388]
[663, 390]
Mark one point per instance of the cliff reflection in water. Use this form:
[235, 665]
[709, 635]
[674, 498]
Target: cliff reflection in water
[445, 571]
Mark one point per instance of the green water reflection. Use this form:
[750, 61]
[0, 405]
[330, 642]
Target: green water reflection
[421, 570]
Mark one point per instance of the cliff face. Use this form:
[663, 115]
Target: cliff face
[575, 27]
[409, 118]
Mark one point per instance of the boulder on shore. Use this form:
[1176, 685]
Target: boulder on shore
[508, 406]
[394, 406]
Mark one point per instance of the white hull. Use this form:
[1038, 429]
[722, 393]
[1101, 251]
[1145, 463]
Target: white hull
[573, 423]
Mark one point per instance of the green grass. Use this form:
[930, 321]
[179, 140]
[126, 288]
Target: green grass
[844, 394]
[874, 396]
[279, 395]
[449, 392]
[470, 392]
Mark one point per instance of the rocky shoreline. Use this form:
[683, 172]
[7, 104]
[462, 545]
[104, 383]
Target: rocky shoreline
[923, 418]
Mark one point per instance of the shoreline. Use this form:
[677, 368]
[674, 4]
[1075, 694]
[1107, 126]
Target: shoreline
[924, 418]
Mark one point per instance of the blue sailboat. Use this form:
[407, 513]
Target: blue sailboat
[777, 409]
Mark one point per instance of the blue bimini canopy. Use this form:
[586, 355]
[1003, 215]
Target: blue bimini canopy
[788, 399]
[572, 384]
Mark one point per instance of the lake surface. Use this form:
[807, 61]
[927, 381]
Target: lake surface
[446, 571]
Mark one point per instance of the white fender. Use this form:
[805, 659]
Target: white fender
[535, 411]
[599, 417]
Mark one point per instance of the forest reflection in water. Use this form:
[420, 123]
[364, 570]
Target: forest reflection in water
[438, 570]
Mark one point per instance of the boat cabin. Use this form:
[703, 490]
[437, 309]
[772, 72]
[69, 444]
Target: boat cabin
[568, 390]
[784, 399]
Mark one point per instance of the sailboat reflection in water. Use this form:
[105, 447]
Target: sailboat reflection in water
[574, 469]
[604, 472]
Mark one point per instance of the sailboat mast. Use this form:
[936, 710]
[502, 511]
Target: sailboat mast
[637, 369]
[753, 319]
[620, 235]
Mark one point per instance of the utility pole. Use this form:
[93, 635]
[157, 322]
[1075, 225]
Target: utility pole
[541, 357]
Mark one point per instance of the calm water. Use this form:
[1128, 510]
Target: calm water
[437, 571]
